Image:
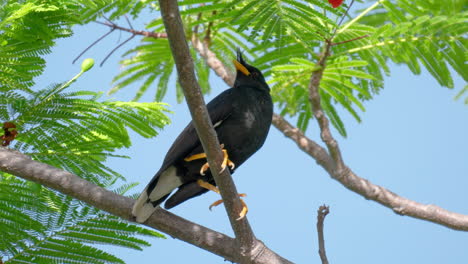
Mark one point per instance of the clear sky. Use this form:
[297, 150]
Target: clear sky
[412, 140]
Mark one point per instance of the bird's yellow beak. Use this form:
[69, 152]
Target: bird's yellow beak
[241, 67]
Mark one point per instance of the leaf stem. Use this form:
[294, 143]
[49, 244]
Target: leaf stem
[350, 23]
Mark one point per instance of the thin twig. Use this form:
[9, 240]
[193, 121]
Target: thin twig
[349, 40]
[94, 43]
[116, 48]
[341, 20]
[113, 27]
[322, 212]
[361, 15]
[212, 60]
[128, 21]
[136, 32]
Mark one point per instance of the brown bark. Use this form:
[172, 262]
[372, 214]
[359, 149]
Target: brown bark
[20, 165]
[247, 243]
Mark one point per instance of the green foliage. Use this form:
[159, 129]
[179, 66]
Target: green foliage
[30, 28]
[419, 34]
[285, 38]
[28, 31]
[60, 127]
[42, 226]
[463, 93]
[90, 10]
[75, 131]
[269, 21]
[151, 61]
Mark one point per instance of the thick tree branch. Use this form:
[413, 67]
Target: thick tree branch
[20, 165]
[345, 176]
[321, 214]
[349, 179]
[201, 119]
[247, 243]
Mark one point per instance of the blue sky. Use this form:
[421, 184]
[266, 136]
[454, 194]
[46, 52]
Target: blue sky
[412, 140]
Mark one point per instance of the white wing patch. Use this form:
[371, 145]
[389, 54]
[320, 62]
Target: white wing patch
[218, 123]
[167, 182]
[249, 119]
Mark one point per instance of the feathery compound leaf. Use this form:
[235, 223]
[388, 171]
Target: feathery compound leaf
[273, 21]
[343, 82]
[91, 10]
[64, 230]
[463, 92]
[28, 31]
[422, 34]
[150, 61]
[76, 132]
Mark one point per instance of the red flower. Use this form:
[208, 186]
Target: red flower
[335, 3]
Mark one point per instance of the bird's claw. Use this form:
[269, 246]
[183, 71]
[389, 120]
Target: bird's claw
[211, 187]
[244, 210]
[226, 161]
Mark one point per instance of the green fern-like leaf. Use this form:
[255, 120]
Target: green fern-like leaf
[27, 33]
[55, 228]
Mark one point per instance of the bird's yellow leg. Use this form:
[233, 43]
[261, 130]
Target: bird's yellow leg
[210, 187]
[196, 156]
[204, 168]
[226, 161]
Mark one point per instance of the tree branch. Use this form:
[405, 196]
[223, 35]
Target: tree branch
[212, 61]
[200, 116]
[134, 32]
[322, 120]
[345, 176]
[247, 243]
[321, 214]
[200, 46]
[349, 179]
[21, 165]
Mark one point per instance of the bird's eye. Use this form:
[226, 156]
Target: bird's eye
[254, 74]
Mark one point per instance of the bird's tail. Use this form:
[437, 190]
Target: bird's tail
[155, 193]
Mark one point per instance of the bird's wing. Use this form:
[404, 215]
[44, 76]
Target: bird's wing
[219, 110]
[185, 192]
[165, 180]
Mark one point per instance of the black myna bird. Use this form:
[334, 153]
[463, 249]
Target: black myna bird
[241, 117]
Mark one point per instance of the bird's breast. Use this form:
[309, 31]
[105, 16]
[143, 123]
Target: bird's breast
[245, 131]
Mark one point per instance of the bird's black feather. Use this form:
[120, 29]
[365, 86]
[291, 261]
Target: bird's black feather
[242, 117]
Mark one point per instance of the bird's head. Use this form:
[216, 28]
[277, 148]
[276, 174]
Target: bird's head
[248, 75]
